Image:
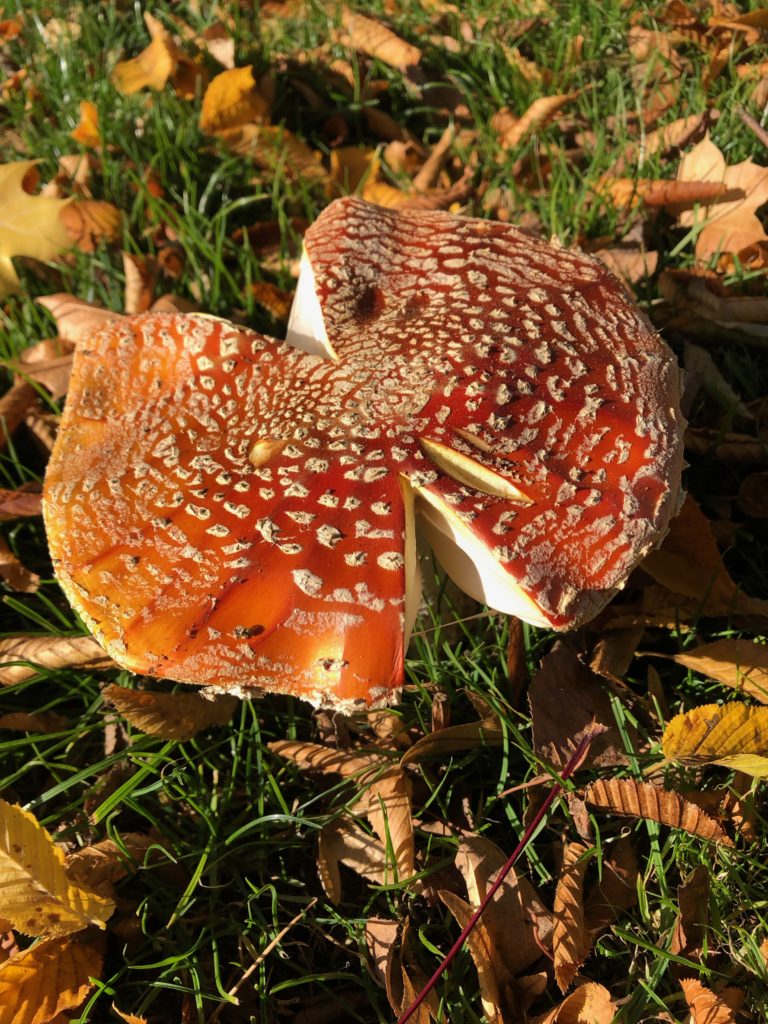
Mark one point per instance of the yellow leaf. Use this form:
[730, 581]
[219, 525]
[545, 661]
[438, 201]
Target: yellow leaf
[644, 800]
[152, 68]
[231, 100]
[46, 979]
[733, 735]
[351, 165]
[29, 225]
[729, 226]
[87, 131]
[38, 896]
[171, 716]
[47, 652]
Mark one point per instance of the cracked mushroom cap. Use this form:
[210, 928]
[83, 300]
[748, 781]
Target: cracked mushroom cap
[230, 510]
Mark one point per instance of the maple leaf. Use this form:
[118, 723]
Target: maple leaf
[726, 226]
[29, 225]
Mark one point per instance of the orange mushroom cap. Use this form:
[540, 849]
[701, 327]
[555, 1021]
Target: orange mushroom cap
[229, 510]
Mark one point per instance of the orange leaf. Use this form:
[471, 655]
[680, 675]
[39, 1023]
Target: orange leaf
[705, 1006]
[589, 1004]
[46, 979]
[151, 69]
[87, 130]
[513, 130]
[644, 800]
[90, 222]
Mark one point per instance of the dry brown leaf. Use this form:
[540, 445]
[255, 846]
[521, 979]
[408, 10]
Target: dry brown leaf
[383, 194]
[630, 263]
[705, 1006]
[275, 300]
[45, 721]
[275, 149]
[689, 563]
[571, 941]
[389, 812]
[735, 449]
[516, 920]
[36, 653]
[645, 800]
[512, 130]
[371, 37]
[670, 136]
[48, 978]
[628, 193]
[729, 226]
[565, 697]
[617, 889]
[171, 716]
[87, 130]
[356, 764]
[75, 319]
[742, 664]
[492, 974]
[15, 405]
[589, 1004]
[48, 363]
[15, 575]
[454, 739]
[734, 735]
[693, 904]
[380, 935]
[39, 898]
[101, 865]
[231, 100]
[90, 222]
[343, 842]
[29, 225]
[140, 273]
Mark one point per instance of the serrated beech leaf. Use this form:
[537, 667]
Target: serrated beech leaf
[45, 980]
[733, 735]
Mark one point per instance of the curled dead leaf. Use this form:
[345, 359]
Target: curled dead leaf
[571, 941]
[512, 130]
[89, 223]
[634, 799]
[370, 36]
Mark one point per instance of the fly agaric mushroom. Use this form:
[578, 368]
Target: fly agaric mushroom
[230, 510]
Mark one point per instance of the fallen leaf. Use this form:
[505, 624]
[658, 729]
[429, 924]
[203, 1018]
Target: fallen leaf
[89, 223]
[350, 166]
[511, 130]
[171, 716]
[75, 319]
[617, 889]
[29, 225]
[380, 935]
[571, 941]
[344, 842]
[48, 363]
[45, 721]
[692, 915]
[140, 273]
[689, 563]
[628, 193]
[276, 150]
[87, 130]
[129, 1018]
[355, 764]
[566, 697]
[733, 735]
[454, 739]
[742, 664]
[48, 978]
[589, 1004]
[517, 922]
[15, 575]
[24, 657]
[734, 449]
[231, 100]
[275, 300]
[702, 371]
[102, 864]
[371, 37]
[152, 68]
[384, 194]
[15, 405]
[39, 898]
[492, 974]
[645, 800]
[630, 263]
[753, 496]
[704, 1005]
[389, 812]
[729, 226]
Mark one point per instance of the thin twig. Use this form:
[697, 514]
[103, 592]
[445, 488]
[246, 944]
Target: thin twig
[754, 125]
[575, 760]
[259, 960]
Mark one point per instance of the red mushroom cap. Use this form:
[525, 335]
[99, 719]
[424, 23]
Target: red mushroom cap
[224, 509]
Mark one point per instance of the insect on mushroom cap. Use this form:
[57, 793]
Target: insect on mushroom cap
[230, 510]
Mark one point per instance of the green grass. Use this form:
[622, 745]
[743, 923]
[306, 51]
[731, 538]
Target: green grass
[235, 827]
